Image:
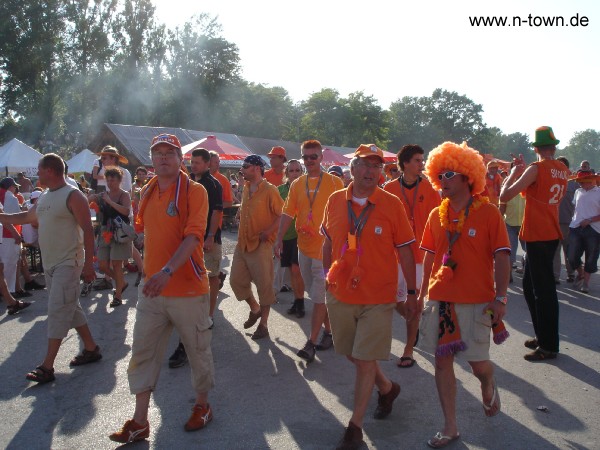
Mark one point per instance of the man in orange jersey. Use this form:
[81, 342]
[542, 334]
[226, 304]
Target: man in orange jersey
[215, 163]
[465, 277]
[364, 229]
[493, 181]
[419, 198]
[175, 291]
[306, 202]
[260, 212]
[544, 183]
[277, 159]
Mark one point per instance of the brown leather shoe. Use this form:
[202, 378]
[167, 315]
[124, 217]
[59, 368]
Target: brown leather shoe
[352, 439]
[385, 402]
[252, 319]
[260, 332]
[201, 415]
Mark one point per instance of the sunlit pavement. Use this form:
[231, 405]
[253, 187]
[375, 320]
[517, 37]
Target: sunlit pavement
[266, 397]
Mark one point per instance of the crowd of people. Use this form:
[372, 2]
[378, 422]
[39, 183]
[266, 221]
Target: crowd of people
[433, 236]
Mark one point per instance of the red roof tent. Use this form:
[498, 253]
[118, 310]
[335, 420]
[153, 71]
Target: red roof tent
[226, 151]
[333, 158]
[388, 156]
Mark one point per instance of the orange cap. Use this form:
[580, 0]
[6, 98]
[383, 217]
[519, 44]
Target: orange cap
[369, 150]
[277, 151]
[169, 139]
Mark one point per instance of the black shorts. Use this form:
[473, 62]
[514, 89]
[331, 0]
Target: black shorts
[289, 253]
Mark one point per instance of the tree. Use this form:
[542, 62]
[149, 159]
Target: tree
[584, 145]
[322, 115]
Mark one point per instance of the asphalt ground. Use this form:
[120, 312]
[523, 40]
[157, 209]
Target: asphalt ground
[267, 398]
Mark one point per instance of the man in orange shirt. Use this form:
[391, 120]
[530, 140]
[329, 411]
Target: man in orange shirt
[419, 198]
[306, 202]
[493, 181]
[260, 212]
[277, 159]
[465, 277]
[544, 183]
[364, 229]
[175, 292]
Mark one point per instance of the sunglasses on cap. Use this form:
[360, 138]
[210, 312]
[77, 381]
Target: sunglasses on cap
[448, 175]
[312, 157]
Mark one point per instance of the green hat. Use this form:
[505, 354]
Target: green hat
[544, 136]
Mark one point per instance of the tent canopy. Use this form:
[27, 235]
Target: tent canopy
[388, 156]
[225, 150]
[82, 161]
[333, 158]
[15, 156]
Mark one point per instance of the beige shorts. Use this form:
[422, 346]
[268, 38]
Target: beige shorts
[361, 331]
[113, 251]
[475, 330]
[253, 267]
[313, 276]
[64, 309]
[212, 260]
[154, 322]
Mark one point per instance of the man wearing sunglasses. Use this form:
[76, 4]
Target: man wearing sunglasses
[419, 198]
[466, 270]
[544, 183]
[306, 202]
[260, 212]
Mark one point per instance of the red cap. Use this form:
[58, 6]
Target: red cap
[169, 139]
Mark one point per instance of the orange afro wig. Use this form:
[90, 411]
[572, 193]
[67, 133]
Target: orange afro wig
[460, 158]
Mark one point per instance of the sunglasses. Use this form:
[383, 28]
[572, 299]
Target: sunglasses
[393, 170]
[312, 157]
[448, 175]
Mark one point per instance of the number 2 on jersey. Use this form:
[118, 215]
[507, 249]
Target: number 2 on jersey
[557, 191]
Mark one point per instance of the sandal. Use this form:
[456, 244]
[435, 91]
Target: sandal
[15, 308]
[440, 441]
[405, 358]
[41, 375]
[115, 302]
[494, 403]
[86, 357]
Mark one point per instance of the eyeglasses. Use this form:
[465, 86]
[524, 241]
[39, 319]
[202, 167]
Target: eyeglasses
[164, 155]
[448, 175]
[312, 157]
[369, 166]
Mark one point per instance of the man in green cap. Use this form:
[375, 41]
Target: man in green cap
[544, 183]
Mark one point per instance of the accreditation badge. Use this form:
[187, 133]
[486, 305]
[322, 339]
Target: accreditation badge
[172, 209]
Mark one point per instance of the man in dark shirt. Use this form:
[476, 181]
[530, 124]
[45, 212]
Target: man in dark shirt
[212, 239]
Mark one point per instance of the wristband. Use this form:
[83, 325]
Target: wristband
[411, 291]
[502, 299]
[167, 270]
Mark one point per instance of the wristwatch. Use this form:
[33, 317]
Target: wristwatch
[412, 291]
[167, 270]
[502, 299]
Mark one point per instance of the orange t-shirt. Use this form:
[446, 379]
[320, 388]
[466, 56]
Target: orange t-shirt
[484, 233]
[425, 199]
[297, 205]
[257, 213]
[493, 187]
[226, 185]
[274, 178]
[163, 236]
[385, 229]
[542, 199]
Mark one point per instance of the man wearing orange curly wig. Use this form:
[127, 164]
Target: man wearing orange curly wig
[465, 276]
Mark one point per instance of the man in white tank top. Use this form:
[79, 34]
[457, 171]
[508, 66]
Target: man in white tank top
[65, 231]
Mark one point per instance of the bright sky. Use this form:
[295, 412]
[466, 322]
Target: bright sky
[523, 76]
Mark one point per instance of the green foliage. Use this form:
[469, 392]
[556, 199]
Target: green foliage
[584, 145]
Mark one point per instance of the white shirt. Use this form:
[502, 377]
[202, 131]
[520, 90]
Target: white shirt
[126, 182]
[587, 205]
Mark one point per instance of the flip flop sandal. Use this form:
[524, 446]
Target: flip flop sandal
[494, 402]
[11, 310]
[440, 441]
[41, 375]
[406, 366]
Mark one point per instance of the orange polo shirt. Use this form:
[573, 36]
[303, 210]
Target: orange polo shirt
[385, 230]
[483, 234]
[163, 236]
[226, 185]
[493, 187]
[274, 178]
[297, 205]
[542, 199]
[421, 203]
[257, 213]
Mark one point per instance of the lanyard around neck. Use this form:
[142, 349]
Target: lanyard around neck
[311, 200]
[357, 224]
[453, 237]
[414, 202]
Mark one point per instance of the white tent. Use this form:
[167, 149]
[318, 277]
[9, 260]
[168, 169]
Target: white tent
[82, 161]
[18, 157]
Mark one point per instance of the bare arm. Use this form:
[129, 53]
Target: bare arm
[516, 184]
[327, 249]
[427, 266]
[159, 280]
[79, 207]
[215, 220]
[95, 173]
[407, 262]
[501, 277]
[284, 224]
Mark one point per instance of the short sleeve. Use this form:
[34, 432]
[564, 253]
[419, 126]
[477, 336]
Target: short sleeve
[197, 212]
[428, 241]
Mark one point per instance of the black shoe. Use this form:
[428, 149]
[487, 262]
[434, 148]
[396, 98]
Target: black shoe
[352, 439]
[33, 286]
[138, 279]
[21, 294]
[326, 341]
[178, 358]
[285, 288]
[294, 308]
[102, 284]
[222, 277]
[385, 402]
[300, 308]
[308, 352]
